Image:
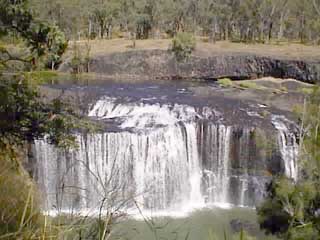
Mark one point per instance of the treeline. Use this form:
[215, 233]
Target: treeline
[236, 20]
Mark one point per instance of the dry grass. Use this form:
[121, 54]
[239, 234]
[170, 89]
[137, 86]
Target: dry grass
[282, 50]
[99, 47]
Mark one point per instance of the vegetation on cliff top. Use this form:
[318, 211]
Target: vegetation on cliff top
[236, 20]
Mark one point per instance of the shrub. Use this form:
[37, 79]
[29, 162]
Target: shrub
[249, 85]
[80, 61]
[306, 90]
[225, 82]
[183, 45]
[57, 45]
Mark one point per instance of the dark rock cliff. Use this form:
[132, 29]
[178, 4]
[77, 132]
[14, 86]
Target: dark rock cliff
[162, 64]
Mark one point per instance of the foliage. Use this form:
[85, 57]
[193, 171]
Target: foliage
[235, 20]
[306, 91]
[291, 209]
[42, 76]
[57, 45]
[24, 117]
[43, 40]
[249, 85]
[80, 61]
[183, 45]
[225, 82]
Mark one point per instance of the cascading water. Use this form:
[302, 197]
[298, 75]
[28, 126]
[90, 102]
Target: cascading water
[215, 148]
[159, 157]
[288, 146]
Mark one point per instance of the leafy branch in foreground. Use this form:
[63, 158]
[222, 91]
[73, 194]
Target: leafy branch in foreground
[24, 117]
[42, 40]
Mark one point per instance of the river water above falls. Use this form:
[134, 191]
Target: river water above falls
[165, 148]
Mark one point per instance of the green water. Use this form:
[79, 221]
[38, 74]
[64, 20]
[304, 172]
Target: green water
[213, 224]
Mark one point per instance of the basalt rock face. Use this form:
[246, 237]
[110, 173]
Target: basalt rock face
[162, 64]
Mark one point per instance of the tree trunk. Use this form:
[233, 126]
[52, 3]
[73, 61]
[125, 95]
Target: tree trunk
[226, 31]
[109, 31]
[316, 7]
[281, 27]
[213, 31]
[261, 32]
[302, 27]
[90, 28]
[133, 36]
[270, 31]
[230, 30]
[102, 29]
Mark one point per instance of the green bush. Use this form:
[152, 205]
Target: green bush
[306, 90]
[183, 45]
[249, 85]
[225, 82]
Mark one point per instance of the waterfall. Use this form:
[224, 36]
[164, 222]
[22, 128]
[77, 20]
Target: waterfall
[160, 170]
[160, 158]
[288, 146]
[215, 143]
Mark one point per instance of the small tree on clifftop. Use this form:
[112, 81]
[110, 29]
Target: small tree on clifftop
[183, 45]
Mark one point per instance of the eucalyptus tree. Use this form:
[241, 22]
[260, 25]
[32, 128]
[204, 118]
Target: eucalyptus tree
[208, 18]
[42, 40]
[102, 17]
[316, 5]
[315, 25]
[71, 16]
[284, 13]
[244, 20]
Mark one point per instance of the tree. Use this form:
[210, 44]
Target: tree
[42, 40]
[104, 14]
[236, 20]
[183, 45]
[316, 5]
[24, 117]
[291, 209]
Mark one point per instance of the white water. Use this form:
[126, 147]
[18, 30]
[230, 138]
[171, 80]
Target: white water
[218, 176]
[163, 160]
[288, 147]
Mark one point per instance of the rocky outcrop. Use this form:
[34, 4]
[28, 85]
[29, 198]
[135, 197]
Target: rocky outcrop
[162, 64]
